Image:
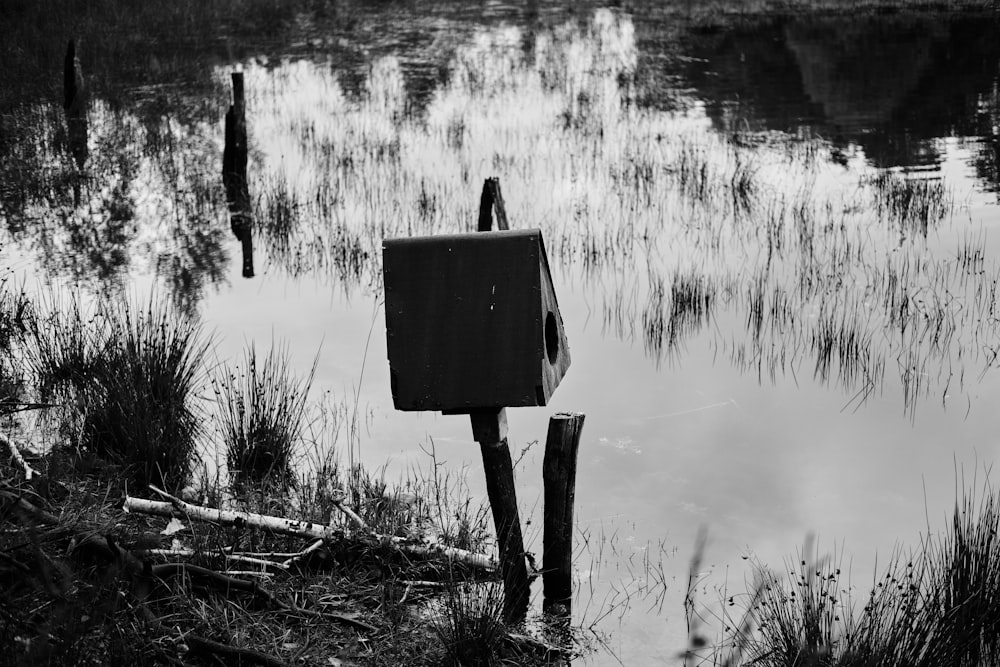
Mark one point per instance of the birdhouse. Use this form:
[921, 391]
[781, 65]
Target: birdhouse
[472, 321]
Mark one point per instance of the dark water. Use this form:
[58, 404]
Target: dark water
[844, 359]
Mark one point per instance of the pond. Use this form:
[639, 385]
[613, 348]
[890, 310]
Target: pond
[773, 239]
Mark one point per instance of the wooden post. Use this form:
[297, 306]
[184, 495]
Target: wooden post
[489, 428]
[491, 200]
[559, 477]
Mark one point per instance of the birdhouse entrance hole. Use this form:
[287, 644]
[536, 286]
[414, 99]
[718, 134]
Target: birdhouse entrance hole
[551, 338]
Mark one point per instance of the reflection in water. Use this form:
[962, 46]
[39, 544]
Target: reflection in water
[234, 174]
[890, 84]
[613, 182]
[75, 106]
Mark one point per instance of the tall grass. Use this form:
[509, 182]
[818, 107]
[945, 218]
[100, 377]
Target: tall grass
[127, 377]
[262, 415]
[938, 604]
[469, 623]
[15, 312]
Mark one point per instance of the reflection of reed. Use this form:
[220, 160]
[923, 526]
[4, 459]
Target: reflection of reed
[613, 185]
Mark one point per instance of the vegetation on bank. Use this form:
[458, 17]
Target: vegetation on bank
[85, 582]
[935, 604]
[88, 583]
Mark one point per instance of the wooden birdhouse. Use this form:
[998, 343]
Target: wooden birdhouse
[472, 321]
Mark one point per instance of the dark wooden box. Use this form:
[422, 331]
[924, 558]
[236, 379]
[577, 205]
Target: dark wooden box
[472, 321]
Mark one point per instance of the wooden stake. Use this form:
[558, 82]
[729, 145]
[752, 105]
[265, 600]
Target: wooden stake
[489, 428]
[490, 201]
[559, 477]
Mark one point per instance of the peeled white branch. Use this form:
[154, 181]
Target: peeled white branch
[181, 509]
[29, 472]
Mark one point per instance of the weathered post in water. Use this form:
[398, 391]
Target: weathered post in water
[473, 327]
[559, 477]
[489, 429]
[234, 173]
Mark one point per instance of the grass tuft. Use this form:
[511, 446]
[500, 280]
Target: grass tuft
[914, 205]
[127, 379]
[936, 605]
[470, 623]
[262, 409]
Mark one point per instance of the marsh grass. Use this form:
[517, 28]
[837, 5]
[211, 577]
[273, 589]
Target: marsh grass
[937, 604]
[15, 314]
[127, 378]
[913, 205]
[469, 623]
[675, 313]
[262, 410]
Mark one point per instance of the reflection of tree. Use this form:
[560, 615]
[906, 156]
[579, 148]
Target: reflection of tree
[145, 199]
[887, 83]
[195, 260]
[987, 163]
[860, 71]
[80, 220]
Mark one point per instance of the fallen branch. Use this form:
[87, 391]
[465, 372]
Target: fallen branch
[295, 559]
[104, 549]
[226, 583]
[238, 654]
[29, 472]
[24, 507]
[281, 525]
[188, 553]
[338, 501]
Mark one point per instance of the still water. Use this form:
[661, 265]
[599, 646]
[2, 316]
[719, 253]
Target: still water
[773, 241]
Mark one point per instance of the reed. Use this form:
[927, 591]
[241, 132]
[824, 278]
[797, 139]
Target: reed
[470, 624]
[15, 313]
[261, 416]
[936, 604]
[127, 377]
[913, 205]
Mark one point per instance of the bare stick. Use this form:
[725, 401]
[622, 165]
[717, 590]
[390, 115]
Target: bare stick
[29, 472]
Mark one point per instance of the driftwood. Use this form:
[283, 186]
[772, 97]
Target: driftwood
[284, 526]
